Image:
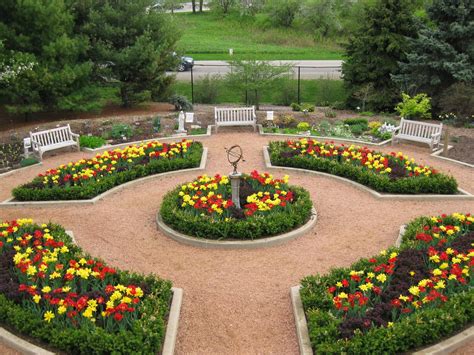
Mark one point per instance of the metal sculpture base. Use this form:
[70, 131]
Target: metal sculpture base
[235, 185]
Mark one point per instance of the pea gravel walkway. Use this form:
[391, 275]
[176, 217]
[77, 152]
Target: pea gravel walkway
[237, 301]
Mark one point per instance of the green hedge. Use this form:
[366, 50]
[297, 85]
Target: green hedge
[435, 184]
[146, 335]
[421, 328]
[250, 228]
[157, 166]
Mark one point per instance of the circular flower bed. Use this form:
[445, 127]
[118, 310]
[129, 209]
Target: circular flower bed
[203, 208]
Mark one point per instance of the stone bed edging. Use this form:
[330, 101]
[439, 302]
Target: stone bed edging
[169, 344]
[12, 203]
[463, 194]
[438, 153]
[12, 171]
[126, 144]
[237, 244]
[260, 131]
[443, 347]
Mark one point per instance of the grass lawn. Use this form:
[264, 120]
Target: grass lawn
[207, 36]
[319, 92]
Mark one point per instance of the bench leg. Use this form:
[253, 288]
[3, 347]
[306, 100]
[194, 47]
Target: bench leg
[216, 128]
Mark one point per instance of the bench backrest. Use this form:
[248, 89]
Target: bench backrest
[419, 129]
[235, 115]
[52, 136]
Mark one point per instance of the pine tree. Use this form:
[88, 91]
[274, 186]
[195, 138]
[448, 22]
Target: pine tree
[374, 50]
[443, 53]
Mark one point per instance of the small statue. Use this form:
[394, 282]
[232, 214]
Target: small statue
[181, 118]
[234, 155]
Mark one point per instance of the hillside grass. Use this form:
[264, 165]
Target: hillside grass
[321, 92]
[208, 36]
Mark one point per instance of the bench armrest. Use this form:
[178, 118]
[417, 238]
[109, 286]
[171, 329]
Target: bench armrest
[436, 134]
[75, 135]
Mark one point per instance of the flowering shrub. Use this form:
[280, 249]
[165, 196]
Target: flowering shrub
[376, 298]
[52, 281]
[394, 172]
[87, 178]
[204, 207]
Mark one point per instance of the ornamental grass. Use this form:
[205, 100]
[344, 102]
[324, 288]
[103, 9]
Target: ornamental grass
[389, 173]
[379, 303]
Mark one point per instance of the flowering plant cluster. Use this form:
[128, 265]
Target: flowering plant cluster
[384, 290]
[361, 156]
[87, 178]
[212, 196]
[55, 283]
[391, 173]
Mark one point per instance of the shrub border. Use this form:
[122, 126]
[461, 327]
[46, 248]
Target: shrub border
[443, 347]
[174, 137]
[11, 202]
[169, 343]
[260, 131]
[237, 244]
[463, 194]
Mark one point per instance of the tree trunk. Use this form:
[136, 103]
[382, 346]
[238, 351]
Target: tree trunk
[194, 6]
[124, 97]
[200, 5]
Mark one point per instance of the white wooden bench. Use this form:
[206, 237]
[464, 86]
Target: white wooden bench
[233, 116]
[416, 131]
[51, 139]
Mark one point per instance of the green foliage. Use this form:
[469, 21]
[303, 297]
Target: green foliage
[435, 184]
[416, 107]
[94, 188]
[206, 90]
[303, 126]
[28, 161]
[120, 130]
[254, 76]
[330, 113]
[286, 121]
[358, 129]
[157, 124]
[283, 12]
[303, 107]
[253, 227]
[357, 121]
[442, 54]
[181, 102]
[459, 99]
[374, 50]
[91, 141]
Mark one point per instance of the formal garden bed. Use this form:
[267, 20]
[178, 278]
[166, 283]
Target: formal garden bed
[349, 129]
[402, 299]
[87, 178]
[204, 208]
[391, 173]
[53, 292]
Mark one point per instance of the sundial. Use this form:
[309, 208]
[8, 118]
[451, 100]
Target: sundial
[234, 155]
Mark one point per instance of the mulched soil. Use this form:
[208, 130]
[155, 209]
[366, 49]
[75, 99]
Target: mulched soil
[237, 301]
[463, 149]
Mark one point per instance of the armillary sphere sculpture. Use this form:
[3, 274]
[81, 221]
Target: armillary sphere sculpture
[234, 155]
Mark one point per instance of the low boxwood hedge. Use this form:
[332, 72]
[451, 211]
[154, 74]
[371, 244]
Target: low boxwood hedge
[423, 326]
[145, 335]
[433, 184]
[254, 227]
[35, 192]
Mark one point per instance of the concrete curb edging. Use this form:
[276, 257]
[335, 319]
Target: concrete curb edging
[463, 194]
[438, 153]
[126, 144]
[236, 244]
[173, 322]
[300, 321]
[398, 242]
[12, 203]
[449, 345]
[21, 345]
[11, 172]
[361, 142]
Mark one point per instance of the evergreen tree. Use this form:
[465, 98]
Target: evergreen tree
[43, 63]
[374, 50]
[135, 43]
[443, 53]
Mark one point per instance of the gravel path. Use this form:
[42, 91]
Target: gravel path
[237, 301]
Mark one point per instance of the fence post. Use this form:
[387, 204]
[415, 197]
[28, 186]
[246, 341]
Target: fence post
[299, 85]
[446, 142]
[192, 86]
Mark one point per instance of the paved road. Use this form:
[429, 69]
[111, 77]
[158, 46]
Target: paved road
[310, 69]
